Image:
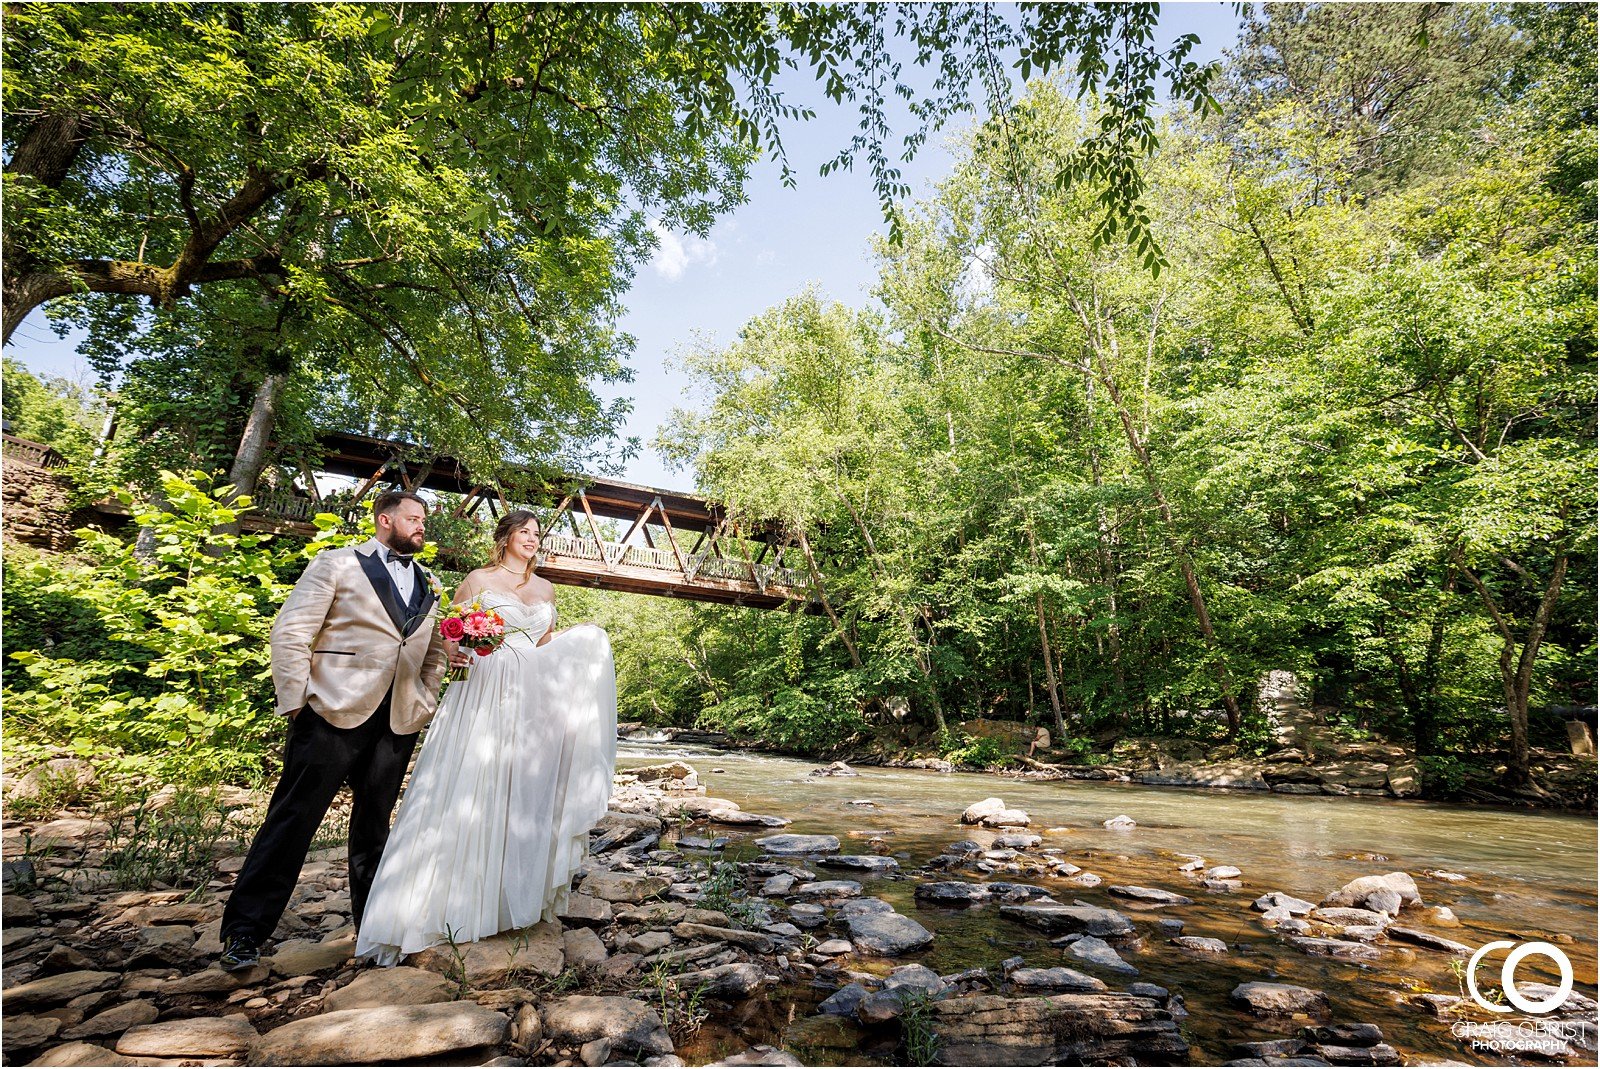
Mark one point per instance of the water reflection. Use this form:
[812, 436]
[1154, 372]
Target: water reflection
[1528, 874]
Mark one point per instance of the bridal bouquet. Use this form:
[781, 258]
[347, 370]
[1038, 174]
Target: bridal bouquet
[473, 627]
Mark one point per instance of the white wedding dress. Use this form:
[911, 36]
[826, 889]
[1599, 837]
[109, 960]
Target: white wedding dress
[513, 773]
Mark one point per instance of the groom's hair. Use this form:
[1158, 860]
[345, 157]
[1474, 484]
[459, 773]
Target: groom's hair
[390, 500]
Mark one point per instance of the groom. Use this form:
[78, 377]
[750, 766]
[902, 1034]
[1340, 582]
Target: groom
[356, 662]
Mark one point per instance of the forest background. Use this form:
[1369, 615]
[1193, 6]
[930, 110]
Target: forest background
[1300, 379]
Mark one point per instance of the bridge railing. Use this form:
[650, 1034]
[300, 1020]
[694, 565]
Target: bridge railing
[30, 452]
[696, 564]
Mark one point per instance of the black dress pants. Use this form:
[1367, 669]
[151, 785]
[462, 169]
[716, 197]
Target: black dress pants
[318, 760]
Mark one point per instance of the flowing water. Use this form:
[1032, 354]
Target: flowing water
[1530, 875]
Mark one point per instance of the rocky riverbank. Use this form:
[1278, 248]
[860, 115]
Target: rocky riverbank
[691, 923]
[1316, 763]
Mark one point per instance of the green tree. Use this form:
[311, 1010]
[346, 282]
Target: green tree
[58, 413]
[433, 210]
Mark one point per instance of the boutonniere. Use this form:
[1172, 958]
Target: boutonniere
[434, 584]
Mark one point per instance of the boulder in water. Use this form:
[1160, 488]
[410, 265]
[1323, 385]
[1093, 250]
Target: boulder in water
[887, 934]
[1267, 999]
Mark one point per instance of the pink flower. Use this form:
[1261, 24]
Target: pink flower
[477, 625]
[452, 628]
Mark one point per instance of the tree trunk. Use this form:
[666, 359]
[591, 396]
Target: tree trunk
[1104, 538]
[1049, 670]
[1191, 582]
[1516, 670]
[827, 606]
[1050, 676]
[251, 456]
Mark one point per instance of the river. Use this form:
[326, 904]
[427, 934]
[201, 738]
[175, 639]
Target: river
[1530, 875]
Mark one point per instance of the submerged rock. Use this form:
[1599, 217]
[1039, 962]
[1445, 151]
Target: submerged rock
[1097, 951]
[1087, 1028]
[1149, 895]
[1342, 949]
[875, 863]
[1429, 940]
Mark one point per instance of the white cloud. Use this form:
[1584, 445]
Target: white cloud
[766, 257]
[675, 255]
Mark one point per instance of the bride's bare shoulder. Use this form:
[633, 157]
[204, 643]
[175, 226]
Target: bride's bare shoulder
[474, 580]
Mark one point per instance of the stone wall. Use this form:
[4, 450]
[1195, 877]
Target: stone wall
[34, 506]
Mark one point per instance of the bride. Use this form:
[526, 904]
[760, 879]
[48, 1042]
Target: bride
[512, 775]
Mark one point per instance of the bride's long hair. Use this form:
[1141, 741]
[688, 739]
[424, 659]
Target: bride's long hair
[509, 524]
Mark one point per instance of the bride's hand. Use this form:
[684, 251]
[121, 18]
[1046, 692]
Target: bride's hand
[459, 658]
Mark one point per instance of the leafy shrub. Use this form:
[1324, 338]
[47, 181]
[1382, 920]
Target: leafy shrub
[156, 664]
[960, 748]
[791, 719]
[1442, 773]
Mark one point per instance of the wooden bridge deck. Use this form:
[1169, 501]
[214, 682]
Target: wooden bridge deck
[594, 532]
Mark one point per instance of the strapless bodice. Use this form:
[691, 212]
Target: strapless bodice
[525, 623]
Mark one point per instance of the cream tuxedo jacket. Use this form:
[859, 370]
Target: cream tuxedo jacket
[342, 641]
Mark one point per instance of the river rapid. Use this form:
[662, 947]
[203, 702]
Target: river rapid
[1530, 875]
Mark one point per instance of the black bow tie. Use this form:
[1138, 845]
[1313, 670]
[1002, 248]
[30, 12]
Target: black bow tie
[398, 558]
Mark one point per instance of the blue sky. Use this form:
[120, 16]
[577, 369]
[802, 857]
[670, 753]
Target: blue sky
[778, 243]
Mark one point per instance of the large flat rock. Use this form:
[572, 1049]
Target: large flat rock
[629, 1024]
[1429, 940]
[304, 957]
[953, 893]
[797, 845]
[54, 990]
[1055, 917]
[381, 1035]
[399, 986]
[623, 887]
[1059, 978]
[1153, 896]
[114, 1021]
[875, 863]
[538, 951]
[83, 1054]
[1279, 999]
[1088, 1028]
[190, 1037]
[886, 933]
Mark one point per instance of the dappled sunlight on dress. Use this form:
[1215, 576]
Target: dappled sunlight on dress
[512, 775]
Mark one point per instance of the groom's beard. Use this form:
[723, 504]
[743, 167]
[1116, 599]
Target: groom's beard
[413, 544]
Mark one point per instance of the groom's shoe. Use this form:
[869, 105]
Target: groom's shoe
[239, 953]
